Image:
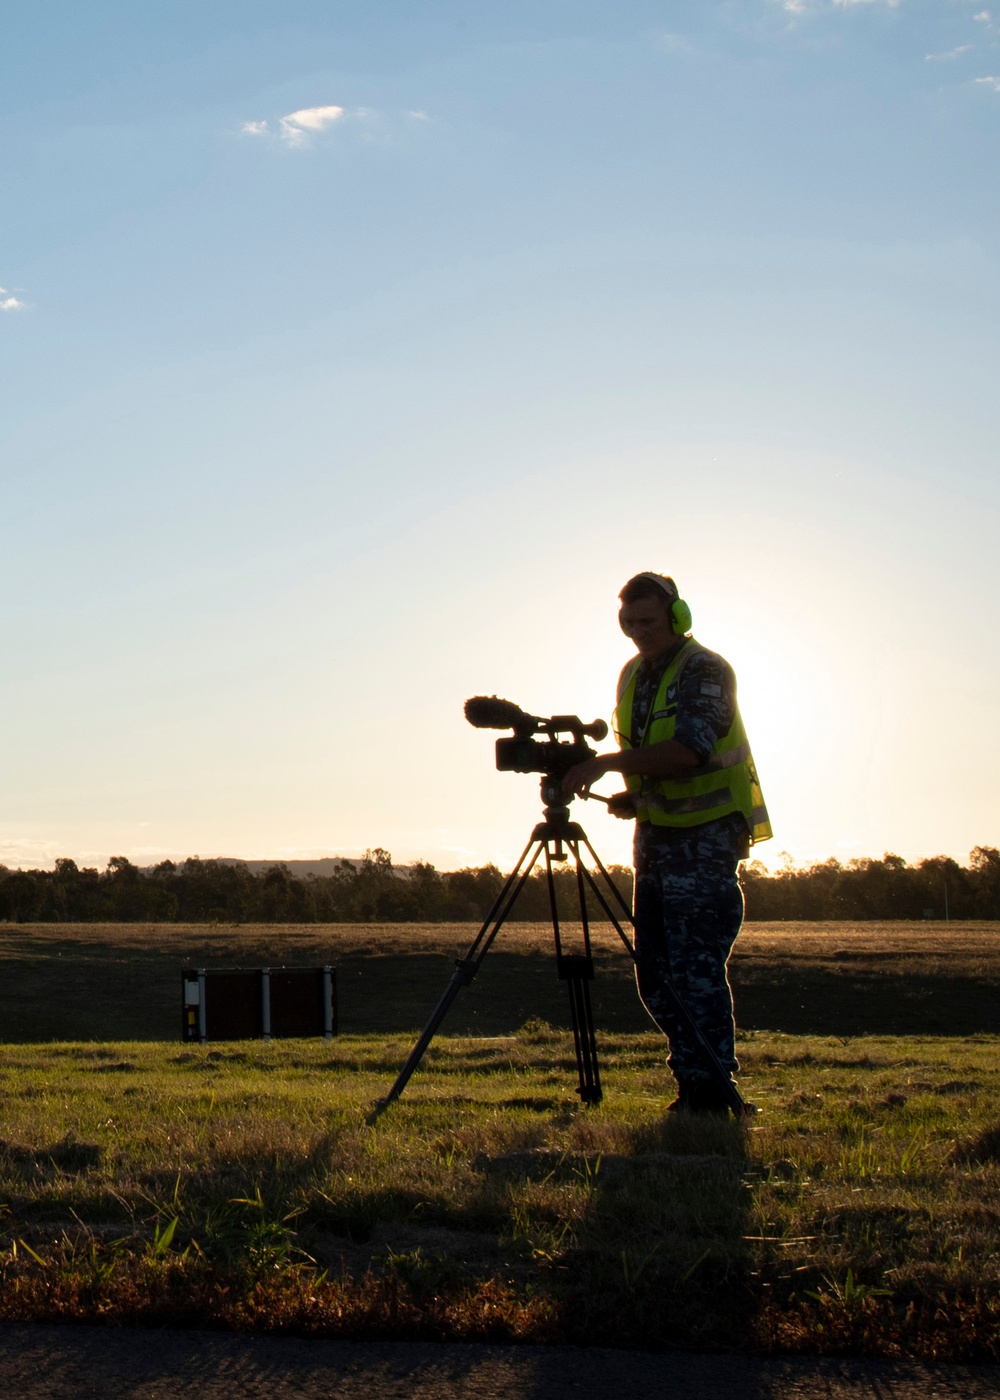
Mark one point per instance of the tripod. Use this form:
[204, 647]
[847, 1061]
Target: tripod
[551, 838]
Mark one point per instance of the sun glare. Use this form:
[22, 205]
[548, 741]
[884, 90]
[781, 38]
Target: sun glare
[787, 694]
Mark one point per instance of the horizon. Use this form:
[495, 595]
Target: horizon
[783, 861]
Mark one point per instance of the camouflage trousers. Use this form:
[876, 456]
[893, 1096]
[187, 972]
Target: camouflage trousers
[688, 911]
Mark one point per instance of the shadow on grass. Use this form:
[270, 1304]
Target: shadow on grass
[44, 1164]
[661, 1260]
[330, 1239]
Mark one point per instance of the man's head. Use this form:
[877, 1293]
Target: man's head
[647, 615]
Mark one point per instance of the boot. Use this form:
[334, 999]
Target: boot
[706, 1096]
[682, 1102]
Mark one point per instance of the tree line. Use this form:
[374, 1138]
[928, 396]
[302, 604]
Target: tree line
[373, 890]
[370, 890]
[863, 888]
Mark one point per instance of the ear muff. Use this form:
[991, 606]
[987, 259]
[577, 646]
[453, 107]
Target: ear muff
[680, 616]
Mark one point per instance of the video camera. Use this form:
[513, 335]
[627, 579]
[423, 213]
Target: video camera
[525, 754]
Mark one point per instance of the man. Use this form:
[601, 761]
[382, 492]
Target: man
[692, 787]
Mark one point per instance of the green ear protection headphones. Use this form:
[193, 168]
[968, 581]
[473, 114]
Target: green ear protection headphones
[680, 613]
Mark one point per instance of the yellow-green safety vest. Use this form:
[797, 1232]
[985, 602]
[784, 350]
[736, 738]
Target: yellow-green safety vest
[726, 782]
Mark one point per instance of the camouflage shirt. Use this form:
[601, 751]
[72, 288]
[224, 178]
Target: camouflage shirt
[705, 695]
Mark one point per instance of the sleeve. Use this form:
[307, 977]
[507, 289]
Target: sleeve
[706, 703]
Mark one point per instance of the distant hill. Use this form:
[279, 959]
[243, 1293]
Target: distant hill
[326, 866]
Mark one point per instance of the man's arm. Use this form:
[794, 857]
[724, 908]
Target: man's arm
[668, 759]
[706, 706]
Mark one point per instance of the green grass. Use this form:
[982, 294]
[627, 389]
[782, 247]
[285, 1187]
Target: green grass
[241, 1186]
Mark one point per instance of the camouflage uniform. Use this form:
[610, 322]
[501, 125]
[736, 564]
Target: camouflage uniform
[688, 902]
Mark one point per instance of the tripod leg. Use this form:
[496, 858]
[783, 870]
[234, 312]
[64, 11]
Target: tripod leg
[577, 972]
[709, 1058]
[620, 899]
[465, 969]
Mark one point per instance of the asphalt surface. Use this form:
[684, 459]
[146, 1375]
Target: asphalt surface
[70, 1363]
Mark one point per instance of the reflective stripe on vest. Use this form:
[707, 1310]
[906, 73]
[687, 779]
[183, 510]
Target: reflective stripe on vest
[701, 803]
[701, 797]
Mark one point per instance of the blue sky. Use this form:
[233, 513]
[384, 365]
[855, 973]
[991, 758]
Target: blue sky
[353, 356]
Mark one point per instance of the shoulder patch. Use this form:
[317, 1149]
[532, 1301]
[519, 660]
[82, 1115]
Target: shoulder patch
[707, 688]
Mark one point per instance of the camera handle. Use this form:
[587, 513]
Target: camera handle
[550, 838]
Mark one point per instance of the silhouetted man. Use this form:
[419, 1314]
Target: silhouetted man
[693, 790]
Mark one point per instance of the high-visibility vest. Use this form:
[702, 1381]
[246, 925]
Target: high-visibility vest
[726, 782]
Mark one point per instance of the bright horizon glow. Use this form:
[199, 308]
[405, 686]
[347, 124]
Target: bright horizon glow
[352, 362]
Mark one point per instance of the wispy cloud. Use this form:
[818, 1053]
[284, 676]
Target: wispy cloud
[298, 126]
[983, 17]
[9, 302]
[297, 129]
[27, 853]
[944, 57]
[992, 81]
[849, 4]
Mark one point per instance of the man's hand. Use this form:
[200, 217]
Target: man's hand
[665, 759]
[582, 777]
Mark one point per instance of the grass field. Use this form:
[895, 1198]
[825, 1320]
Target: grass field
[240, 1185]
[122, 981]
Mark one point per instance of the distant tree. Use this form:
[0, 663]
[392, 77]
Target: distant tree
[282, 899]
[212, 891]
[428, 889]
[128, 896]
[72, 895]
[379, 895]
[985, 864]
[944, 887]
[21, 896]
[469, 893]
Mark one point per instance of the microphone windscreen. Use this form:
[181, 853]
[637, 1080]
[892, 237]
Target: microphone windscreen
[490, 712]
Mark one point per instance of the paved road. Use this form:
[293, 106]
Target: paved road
[76, 1363]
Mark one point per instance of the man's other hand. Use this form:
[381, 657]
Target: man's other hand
[620, 804]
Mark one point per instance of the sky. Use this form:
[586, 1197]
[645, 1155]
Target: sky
[352, 357]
